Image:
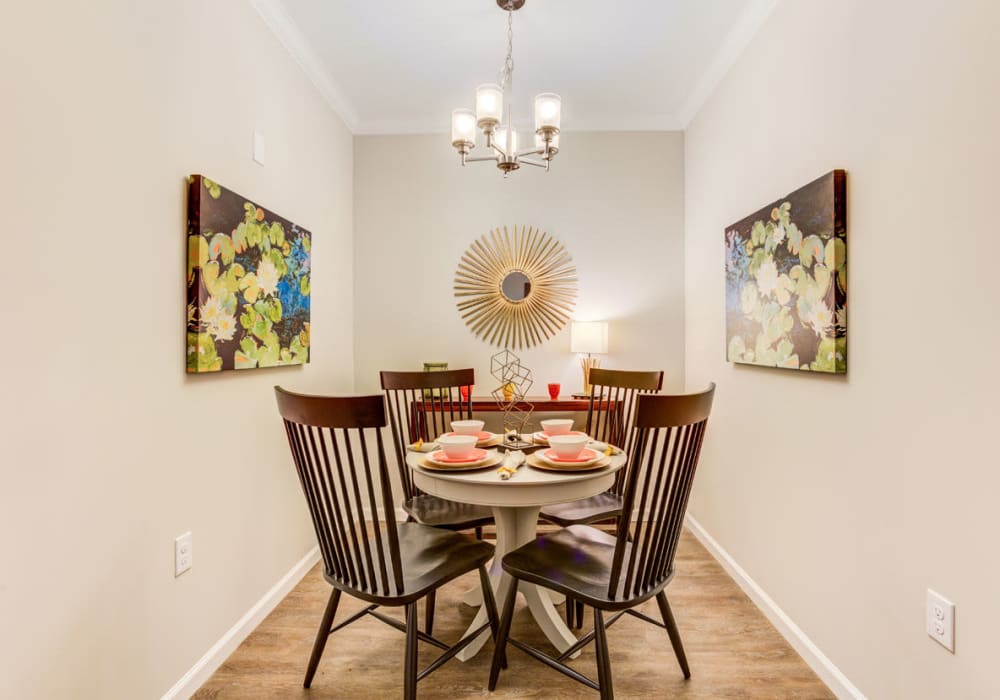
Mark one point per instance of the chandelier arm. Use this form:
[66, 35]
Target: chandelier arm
[532, 152]
[476, 159]
[500, 152]
[534, 162]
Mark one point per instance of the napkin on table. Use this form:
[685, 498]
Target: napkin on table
[511, 461]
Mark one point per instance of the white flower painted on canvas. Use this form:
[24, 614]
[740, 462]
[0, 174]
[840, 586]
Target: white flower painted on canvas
[819, 317]
[767, 277]
[211, 310]
[224, 327]
[267, 277]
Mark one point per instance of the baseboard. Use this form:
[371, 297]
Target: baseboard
[817, 660]
[220, 651]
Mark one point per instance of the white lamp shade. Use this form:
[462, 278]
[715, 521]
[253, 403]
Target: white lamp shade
[463, 126]
[506, 135]
[548, 111]
[489, 103]
[590, 337]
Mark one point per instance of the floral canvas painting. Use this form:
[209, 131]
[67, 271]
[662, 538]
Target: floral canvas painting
[248, 283]
[786, 281]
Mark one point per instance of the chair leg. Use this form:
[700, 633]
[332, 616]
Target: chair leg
[675, 636]
[321, 636]
[499, 651]
[570, 607]
[490, 601]
[579, 613]
[603, 658]
[429, 613]
[410, 660]
[479, 532]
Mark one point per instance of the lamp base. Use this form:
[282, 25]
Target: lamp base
[587, 363]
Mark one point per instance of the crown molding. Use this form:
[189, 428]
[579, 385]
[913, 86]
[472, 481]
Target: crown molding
[283, 27]
[735, 43]
[277, 19]
[390, 127]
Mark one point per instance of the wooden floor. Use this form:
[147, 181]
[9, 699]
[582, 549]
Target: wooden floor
[733, 650]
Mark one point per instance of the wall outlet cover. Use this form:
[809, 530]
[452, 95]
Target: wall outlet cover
[940, 616]
[183, 554]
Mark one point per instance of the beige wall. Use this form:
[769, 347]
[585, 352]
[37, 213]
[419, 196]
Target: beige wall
[108, 449]
[615, 201]
[846, 497]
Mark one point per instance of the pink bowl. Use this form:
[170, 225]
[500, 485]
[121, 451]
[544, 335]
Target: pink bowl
[568, 446]
[457, 446]
[467, 427]
[557, 426]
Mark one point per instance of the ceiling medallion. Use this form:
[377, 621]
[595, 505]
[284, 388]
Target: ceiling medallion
[501, 137]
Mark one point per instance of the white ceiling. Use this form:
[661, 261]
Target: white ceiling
[399, 66]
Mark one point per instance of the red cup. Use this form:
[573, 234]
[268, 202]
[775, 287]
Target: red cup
[464, 391]
[554, 391]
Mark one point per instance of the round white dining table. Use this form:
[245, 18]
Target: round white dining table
[515, 503]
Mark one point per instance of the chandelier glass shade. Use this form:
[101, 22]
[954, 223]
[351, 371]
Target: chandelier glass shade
[496, 123]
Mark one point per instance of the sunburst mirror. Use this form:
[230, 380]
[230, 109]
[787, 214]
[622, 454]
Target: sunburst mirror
[516, 290]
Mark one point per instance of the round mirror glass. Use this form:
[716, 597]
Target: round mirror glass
[516, 286]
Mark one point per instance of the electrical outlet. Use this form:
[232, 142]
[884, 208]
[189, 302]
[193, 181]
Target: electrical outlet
[941, 620]
[183, 554]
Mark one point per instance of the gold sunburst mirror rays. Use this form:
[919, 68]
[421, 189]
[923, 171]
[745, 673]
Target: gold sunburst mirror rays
[516, 290]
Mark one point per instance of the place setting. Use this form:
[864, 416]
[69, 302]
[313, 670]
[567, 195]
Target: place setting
[563, 449]
[484, 438]
[463, 449]
[554, 427]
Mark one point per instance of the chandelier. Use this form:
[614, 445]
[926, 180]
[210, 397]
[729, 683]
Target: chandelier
[498, 126]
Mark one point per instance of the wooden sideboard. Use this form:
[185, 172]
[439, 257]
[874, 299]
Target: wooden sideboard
[487, 404]
[539, 403]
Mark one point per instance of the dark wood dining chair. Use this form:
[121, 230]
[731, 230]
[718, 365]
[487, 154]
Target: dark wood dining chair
[337, 447]
[615, 573]
[610, 416]
[421, 407]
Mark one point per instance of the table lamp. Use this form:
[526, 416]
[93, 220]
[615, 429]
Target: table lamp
[588, 338]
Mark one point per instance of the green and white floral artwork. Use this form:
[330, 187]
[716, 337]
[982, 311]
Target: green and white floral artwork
[248, 283]
[786, 281]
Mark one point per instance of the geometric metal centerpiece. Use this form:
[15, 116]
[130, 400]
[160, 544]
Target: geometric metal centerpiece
[515, 382]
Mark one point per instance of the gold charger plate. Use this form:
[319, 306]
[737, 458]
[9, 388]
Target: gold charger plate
[536, 461]
[491, 459]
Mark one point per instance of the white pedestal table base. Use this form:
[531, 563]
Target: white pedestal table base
[516, 526]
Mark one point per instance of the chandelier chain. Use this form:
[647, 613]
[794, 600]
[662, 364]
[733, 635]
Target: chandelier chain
[507, 71]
